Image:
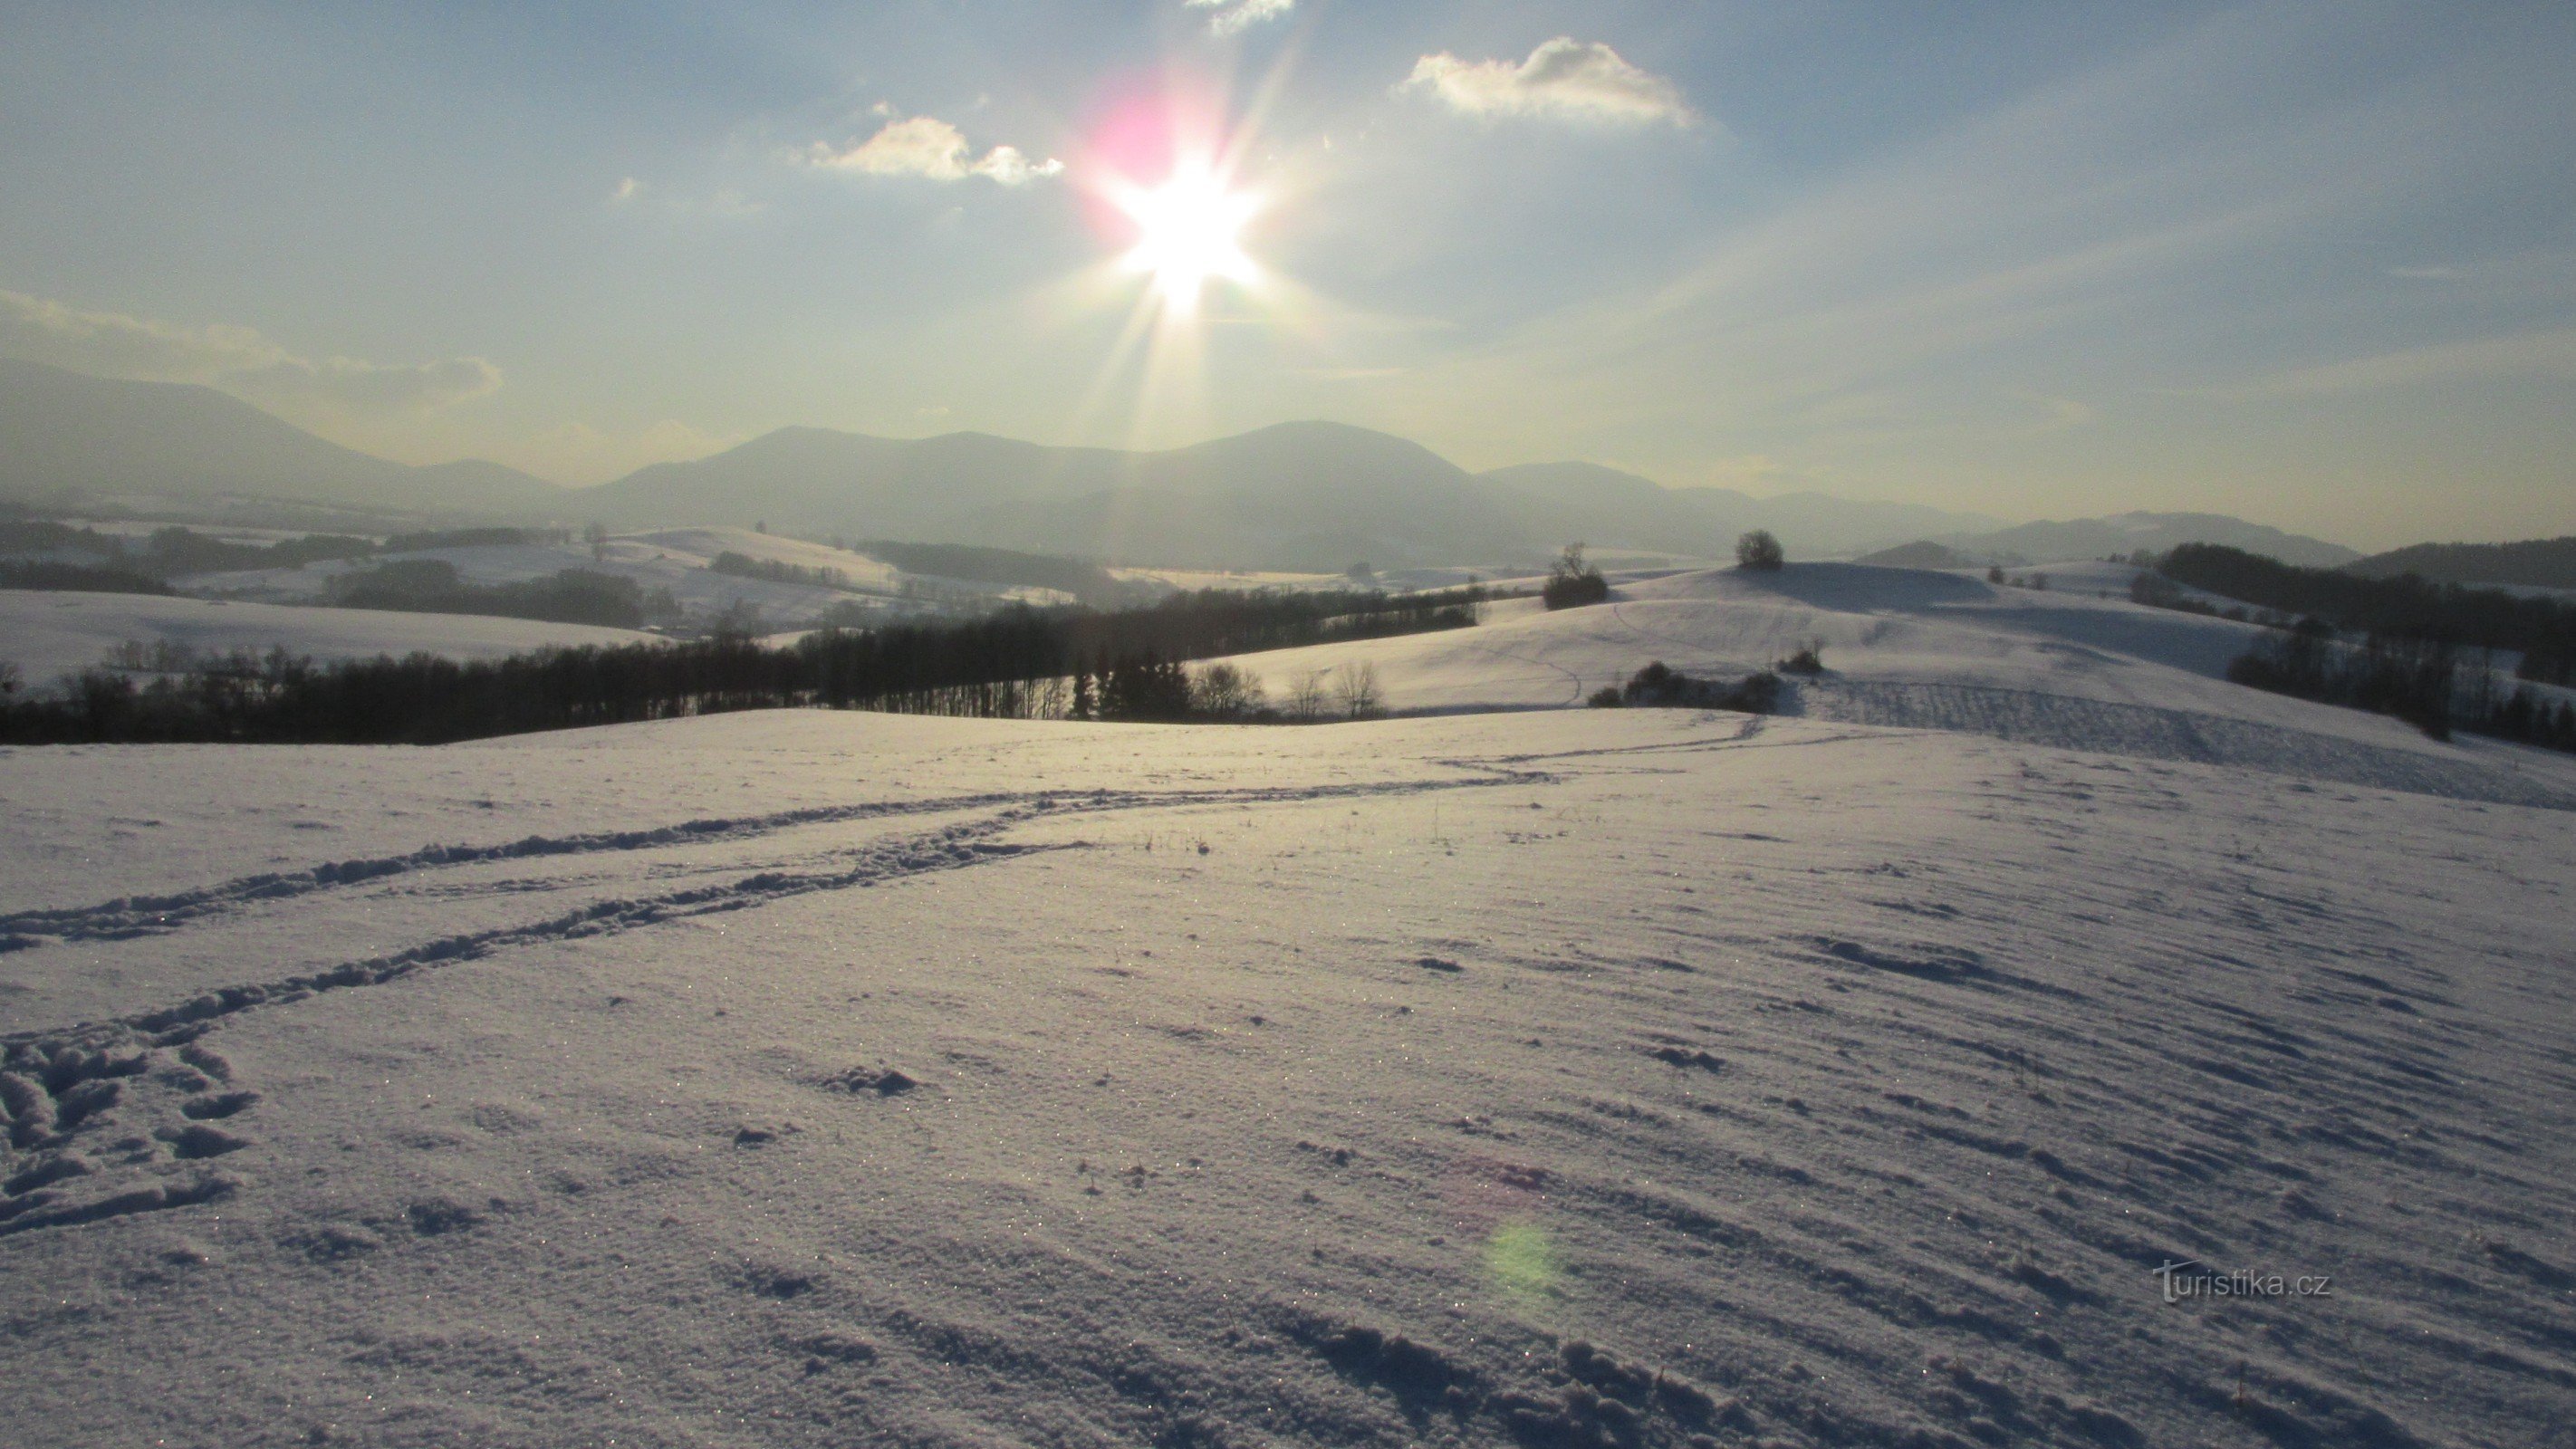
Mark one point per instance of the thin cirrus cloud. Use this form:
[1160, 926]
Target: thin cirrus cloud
[930, 148]
[237, 359]
[1235, 16]
[1564, 79]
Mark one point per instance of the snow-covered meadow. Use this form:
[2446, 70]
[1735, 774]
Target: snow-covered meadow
[49, 633]
[1543, 1076]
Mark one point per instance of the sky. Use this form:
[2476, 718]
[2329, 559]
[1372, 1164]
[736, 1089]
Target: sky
[2312, 264]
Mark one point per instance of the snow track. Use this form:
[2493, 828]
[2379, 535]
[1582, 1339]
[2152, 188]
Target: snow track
[1635, 1078]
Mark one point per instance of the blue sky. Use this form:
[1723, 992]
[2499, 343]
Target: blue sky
[2313, 264]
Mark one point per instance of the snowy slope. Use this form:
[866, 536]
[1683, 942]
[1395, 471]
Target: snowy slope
[1567, 1077]
[48, 634]
[676, 559]
[1921, 649]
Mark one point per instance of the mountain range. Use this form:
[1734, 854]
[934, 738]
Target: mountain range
[1302, 495]
[66, 433]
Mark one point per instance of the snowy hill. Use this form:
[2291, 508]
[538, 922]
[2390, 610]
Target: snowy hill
[1552, 1076]
[678, 560]
[813, 1079]
[49, 634]
[1921, 649]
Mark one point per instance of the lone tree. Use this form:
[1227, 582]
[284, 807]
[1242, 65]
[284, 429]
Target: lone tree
[1571, 581]
[1758, 550]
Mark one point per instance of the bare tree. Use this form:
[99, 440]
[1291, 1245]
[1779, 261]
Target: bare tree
[1306, 696]
[1224, 691]
[595, 533]
[1356, 692]
[1758, 550]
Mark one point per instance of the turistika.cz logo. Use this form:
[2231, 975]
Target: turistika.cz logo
[2192, 1278]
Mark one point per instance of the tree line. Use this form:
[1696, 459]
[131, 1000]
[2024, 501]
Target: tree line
[1020, 663]
[2542, 630]
[2428, 683]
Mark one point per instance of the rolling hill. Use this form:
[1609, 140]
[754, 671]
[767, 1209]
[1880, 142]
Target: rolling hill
[104, 438]
[2540, 563]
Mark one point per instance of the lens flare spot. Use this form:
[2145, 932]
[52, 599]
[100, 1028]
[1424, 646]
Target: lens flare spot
[1522, 1260]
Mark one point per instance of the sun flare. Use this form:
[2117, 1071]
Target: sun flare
[1189, 232]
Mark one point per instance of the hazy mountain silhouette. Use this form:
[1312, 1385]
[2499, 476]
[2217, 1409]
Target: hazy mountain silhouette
[1605, 506]
[2546, 563]
[1298, 495]
[66, 432]
[2125, 533]
[1307, 495]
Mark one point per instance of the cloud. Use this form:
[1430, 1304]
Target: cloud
[928, 147]
[1564, 79]
[1234, 16]
[2550, 352]
[367, 386]
[237, 359]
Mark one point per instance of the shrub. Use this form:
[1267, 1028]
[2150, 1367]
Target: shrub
[1809, 660]
[1606, 697]
[1659, 685]
[1759, 551]
[1572, 583]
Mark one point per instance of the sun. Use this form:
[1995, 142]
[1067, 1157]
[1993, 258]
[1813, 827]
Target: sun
[1189, 232]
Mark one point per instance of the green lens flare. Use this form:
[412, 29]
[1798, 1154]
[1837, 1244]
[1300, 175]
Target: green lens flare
[1522, 1260]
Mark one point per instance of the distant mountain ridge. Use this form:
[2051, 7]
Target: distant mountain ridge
[66, 432]
[1302, 495]
[2541, 563]
[2126, 533]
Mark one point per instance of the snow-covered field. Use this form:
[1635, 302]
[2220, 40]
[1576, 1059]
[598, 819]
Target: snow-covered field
[48, 634]
[1541, 1077]
[676, 559]
[1917, 649]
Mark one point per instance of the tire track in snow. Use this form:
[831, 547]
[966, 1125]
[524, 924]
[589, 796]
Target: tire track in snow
[950, 847]
[62, 1089]
[133, 916]
[130, 917]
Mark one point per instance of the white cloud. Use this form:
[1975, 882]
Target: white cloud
[1565, 79]
[929, 147]
[1235, 16]
[627, 190]
[237, 359]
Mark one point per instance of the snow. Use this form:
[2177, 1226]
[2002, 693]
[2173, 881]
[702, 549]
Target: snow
[678, 560]
[48, 634]
[1924, 649]
[1546, 1076]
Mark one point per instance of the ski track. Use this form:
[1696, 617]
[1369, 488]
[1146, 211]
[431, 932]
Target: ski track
[64, 1089]
[129, 917]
